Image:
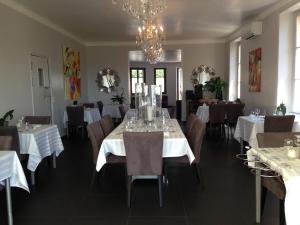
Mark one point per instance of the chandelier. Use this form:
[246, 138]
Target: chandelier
[144, 9]
[150, 38]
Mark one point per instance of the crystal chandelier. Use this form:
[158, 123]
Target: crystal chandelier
[150, 38]
[144, 9]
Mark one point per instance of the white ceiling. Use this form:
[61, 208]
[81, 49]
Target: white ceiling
[102, 21]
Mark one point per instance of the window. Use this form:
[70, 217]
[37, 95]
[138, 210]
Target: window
[179, 84]
[239, 70]
[296, 102]
[137, 75]
[160, 78]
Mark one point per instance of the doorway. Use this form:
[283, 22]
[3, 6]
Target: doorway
[40, 84]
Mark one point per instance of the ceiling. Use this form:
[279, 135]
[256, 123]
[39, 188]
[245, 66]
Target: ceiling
[102, 21]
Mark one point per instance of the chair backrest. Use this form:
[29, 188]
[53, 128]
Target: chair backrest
[233, 112]
[273, 139]
[75, 115]
[100, 107]
[143, 152]
[96, 136]
[5, 142]
[88, 105]
[196, 138]
[37, 119]
[122, 111]
[107, 124]
[217, 113]
[12, 131]
[279, 123]
[189, 123]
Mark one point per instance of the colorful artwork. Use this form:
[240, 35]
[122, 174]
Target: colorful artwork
[255, 70]
[71, 64]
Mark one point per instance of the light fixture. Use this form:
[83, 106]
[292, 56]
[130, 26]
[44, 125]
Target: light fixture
[143, 9]
[150, 38]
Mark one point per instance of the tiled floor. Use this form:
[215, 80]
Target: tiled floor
[65, 195]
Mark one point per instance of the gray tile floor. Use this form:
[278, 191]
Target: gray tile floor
[65, 195]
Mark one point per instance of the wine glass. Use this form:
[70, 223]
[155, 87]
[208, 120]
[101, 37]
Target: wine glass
[288, 143]
[257, 111]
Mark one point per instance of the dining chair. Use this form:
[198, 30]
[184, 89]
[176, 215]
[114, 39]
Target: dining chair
[279, 123]
[233, 112]
[144, 158]
[75, 119]
[217, 116]
[88, 105]
[100, 107]
[37, 119]
[96, 136]
[107, 124]
[122, 111]
[276, 184]
[195, 140]
[189, 123]
[5, 142]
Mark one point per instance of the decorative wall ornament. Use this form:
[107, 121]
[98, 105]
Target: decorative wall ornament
[201, 74]
[255, 70]
[71, 69]
[107, 80]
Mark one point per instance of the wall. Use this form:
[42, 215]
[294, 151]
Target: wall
[212, 54]
[171, 76]
[19, 38]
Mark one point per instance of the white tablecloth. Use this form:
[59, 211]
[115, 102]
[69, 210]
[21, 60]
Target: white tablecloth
[289, 169]
[203, 113]
[39, 142]
[90, 115]
[175, 144]
[10, 167]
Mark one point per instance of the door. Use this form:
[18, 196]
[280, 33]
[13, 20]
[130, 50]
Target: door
[41, 88]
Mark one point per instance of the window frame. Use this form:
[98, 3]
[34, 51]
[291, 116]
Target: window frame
[239, 69]
[296, 15]
[165, 77]
[130, 76]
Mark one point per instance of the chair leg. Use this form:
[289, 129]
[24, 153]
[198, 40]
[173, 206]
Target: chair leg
[263, 199]
[129, 183]
[160, 191]
[281, 213]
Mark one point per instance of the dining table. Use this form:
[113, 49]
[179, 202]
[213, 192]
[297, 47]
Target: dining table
[11, 175]
[39, 141]
[91, 115]
[175, 143]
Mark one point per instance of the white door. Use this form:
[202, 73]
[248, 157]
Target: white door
[41, 89]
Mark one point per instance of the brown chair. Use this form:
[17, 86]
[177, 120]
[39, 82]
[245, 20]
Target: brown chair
[88, 105]
[144, 157]
[195, 140]
[233, 112]
[75, 119]
[100, 107]
[279, 123]
[5, 142]
[122, 111]
[189, 123]
[274, 185]
[37, 119]
[107, 124]
[217, 116]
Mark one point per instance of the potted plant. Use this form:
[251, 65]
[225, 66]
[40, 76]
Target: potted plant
[217, 86]
[281, 109]
[4, 119]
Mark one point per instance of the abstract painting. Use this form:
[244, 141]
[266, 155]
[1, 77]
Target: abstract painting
[71, 67]
[255, 70]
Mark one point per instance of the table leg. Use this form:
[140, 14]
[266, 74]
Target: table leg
[32, 178]
[258, 196]
[8, 199]
[54, 160]
[242, 145]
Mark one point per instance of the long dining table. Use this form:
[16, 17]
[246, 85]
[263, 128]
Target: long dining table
[175, 143]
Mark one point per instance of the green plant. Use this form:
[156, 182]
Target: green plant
[4, 119]
[216, 85]
[281, 108]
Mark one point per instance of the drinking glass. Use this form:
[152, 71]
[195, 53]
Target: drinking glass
[288, 143]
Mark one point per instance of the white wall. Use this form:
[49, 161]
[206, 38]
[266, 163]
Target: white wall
[212, 54]
[21, 36]
[171, 76]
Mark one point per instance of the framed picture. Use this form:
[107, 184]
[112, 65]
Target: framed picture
[255, 70]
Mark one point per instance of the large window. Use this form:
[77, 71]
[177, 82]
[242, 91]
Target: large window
[239, 70]
[296, 102]
[160, 78]
[137, 75]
